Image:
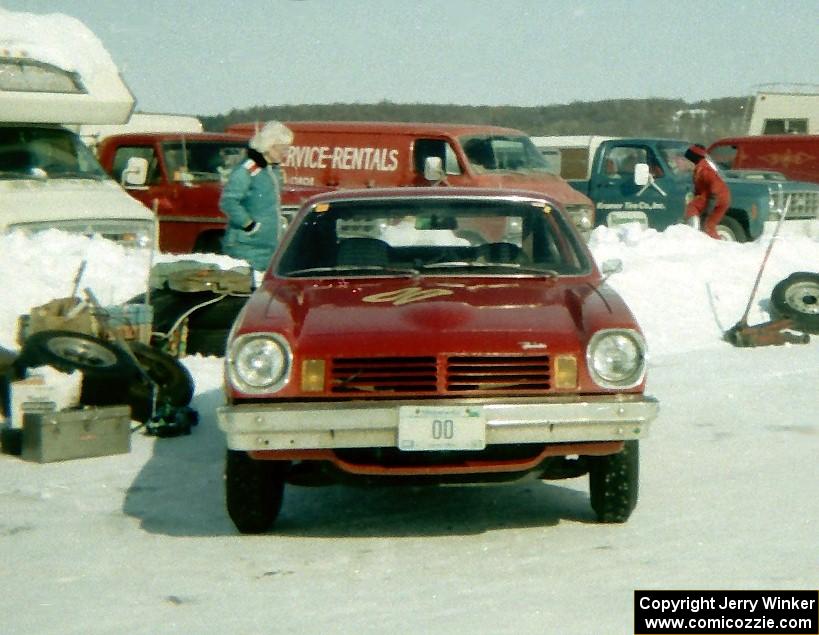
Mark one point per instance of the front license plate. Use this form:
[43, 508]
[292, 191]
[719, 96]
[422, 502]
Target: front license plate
[441, 428]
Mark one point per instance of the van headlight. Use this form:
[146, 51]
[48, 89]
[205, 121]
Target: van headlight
[259, 363]
[617, 358]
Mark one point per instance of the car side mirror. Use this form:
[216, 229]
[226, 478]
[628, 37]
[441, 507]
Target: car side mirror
[434, 169]
[641, 174]
[135, 173]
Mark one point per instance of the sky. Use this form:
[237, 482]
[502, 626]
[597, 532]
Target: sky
[140, 543]
[207, 57]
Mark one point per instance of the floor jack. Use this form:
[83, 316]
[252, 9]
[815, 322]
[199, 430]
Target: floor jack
[771, 333]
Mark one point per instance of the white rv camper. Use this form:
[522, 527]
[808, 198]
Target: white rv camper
[785, 109]
[55, 73]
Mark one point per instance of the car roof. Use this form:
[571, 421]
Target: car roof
[431, 192]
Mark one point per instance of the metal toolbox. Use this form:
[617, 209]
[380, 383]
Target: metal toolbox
[76, 434]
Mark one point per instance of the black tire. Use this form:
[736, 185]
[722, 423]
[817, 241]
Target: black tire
[253, 491]
[614, 483]
[797, 297]
[208, 325]
[731, 230]
[70, 350]
[174, 383]
[209, 243]
[207, 342]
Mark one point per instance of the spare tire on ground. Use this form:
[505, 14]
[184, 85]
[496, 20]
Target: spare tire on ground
[173, 381]
[797, 297]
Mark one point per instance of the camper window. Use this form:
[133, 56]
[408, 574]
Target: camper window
[29, 76]
[786, 126]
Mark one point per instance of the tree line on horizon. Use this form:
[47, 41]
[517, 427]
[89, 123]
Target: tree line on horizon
[702, 121]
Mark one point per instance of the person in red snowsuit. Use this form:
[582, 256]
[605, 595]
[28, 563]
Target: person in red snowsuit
[711, 196]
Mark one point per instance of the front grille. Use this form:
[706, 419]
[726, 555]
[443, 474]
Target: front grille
[497, 373]
[804, 205]
[457, 374]
[131, 233]
[384, 375]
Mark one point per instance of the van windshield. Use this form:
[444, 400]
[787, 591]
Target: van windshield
[39, 152]
[202, 160]
[493, 153]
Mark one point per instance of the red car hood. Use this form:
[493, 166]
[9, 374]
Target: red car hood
[406, 317]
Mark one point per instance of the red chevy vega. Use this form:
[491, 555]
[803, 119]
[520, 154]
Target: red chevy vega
[433, 335]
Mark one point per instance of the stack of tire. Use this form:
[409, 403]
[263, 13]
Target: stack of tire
[209, 317]
[112, 374]
[797, 298]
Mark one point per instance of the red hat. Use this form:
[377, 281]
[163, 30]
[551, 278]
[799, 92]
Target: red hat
[695, 153]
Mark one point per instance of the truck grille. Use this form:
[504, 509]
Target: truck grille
[457, 374]
[804, 205]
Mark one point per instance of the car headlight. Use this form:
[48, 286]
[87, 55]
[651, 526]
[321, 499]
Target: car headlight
[259, 363]
[617, 358]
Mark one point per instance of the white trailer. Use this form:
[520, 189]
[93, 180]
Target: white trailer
[785, 109]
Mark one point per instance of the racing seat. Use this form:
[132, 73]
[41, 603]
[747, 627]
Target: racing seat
[363, 251]
[500, 252]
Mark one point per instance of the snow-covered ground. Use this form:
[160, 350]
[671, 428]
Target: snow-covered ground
[140, 542]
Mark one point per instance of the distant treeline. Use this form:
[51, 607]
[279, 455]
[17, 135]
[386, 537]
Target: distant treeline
[702, 121]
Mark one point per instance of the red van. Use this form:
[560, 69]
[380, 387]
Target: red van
[183, 177]
[381, 154]
[795, 156]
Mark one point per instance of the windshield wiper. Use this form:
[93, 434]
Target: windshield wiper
[465, 264]
[353, 269]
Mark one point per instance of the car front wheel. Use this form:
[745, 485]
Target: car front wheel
[614, 483]
[253, 491]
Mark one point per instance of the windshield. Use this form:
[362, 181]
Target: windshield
[674, 154]
[413, 236]
[488, 153]
[202, 160]
[32, 152]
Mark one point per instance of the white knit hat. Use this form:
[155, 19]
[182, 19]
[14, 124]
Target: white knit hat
[273, 133]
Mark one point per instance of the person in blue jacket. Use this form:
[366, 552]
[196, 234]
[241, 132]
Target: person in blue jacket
[251, 198]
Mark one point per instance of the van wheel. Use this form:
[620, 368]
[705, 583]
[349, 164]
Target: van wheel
[614, 483]
[730, 229]
[253, 491]
[797, 297]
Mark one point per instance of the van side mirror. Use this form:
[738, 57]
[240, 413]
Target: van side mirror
[641, 174]
[434, 169]
[135, 173]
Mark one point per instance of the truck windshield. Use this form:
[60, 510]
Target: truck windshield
[673, 153]
[202, 160]
[488, 153]
[39, 152]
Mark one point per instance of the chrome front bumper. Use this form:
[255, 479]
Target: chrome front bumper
[364, 424]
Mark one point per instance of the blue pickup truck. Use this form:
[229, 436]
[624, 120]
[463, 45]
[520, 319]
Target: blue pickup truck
[649, 181]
